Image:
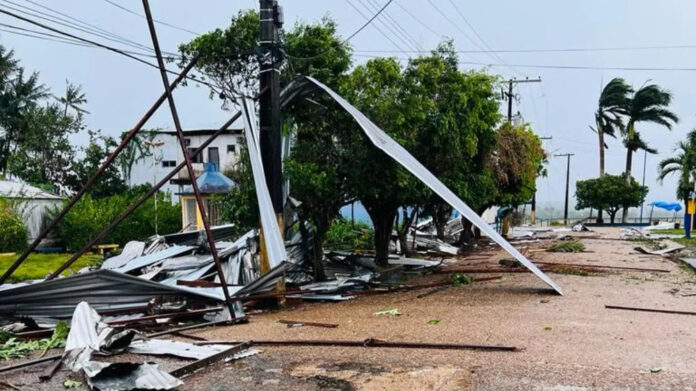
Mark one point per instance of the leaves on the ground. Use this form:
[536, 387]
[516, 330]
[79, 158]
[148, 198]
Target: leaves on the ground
[390, 312]
[651, 370]
[16, 348]
[69, 383]
[567, 246]
[434, 321]
[460, 279]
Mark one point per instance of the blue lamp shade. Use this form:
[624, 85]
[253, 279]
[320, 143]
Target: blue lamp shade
[213, 182]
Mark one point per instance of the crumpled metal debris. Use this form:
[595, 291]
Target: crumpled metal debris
[128, 376]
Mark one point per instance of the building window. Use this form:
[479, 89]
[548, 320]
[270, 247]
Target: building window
[187, 141]
[168, 163]
[195, 159]
[231, 148]
[214, 156]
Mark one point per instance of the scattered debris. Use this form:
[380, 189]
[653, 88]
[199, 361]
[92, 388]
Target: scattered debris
[434, 321]
[460, 279]
[391, 312]
[651, 370]
[663, 251]
[293, 323]
[567, 246]
[616, 307]
[69, 383]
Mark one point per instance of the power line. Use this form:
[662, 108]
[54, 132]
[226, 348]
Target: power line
[562, 50]
[349, 37]
[569, 67]
[66, 23]
[97, 44]
[119, 6]
[376, 27]
[399, 31]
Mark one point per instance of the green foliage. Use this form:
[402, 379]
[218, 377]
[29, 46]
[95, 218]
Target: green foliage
[460, 279]
[609, 193]
[566, 246]
[38, 266]
[13, 232]
[434, 321]
[683, 164]
[342, 235]
[240, 206]
[109, 182]
[16, 348]
[90, 215]
[69, 383]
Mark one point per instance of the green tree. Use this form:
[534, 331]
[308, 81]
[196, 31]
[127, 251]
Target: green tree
[683, 164]
[109, 181]
[74, 98]
[13, 232]
[134, 152]
[648, 104]
[613, 103]
[240, 206]
[609, 193]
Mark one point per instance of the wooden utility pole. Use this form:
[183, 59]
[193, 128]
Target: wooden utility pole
[270, 19]
[565, 212]
[533, 213]
[510, 95]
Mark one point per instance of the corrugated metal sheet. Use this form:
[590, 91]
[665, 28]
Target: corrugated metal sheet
[163, 347]
[382, 141]
[149, 259]
[104, 290]
[131, 250]
[128, 376]
[275, 246]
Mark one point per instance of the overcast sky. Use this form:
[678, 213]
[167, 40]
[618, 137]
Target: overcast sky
[120, 90]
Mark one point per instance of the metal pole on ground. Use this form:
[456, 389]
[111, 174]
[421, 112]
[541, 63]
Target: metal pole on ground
[187, 156]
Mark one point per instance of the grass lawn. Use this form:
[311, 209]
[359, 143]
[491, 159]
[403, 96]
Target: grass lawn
[38, 266]
[669, 231]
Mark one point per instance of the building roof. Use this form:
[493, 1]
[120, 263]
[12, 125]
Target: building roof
[212, 181]
[198, 132]
[12, 189]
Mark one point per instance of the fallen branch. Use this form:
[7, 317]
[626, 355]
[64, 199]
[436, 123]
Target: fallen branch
[30, 363]
[371, 343]
[617, 307]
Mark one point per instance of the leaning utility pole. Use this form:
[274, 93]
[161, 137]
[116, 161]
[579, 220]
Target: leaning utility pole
[510, 95]
[270, 19]
[565, 212]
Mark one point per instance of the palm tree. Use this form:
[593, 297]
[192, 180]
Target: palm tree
[74, 98]
[683, 163]
[613, 102]
[648, 104]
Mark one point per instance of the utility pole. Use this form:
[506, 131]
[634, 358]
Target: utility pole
[270, 19]
[510, 95]
[642, 202]
[565, 212]
[533, 213]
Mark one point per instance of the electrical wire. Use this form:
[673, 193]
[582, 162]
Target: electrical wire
[376, 27]
[119, 6]
[561, 50]
[398, 31]
[101, 45]
[349, 37]
[569, 67]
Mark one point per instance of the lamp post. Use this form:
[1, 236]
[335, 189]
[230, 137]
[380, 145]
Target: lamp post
[154, 146]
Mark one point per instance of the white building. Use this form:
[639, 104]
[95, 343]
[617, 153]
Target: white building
[224, 151]
[33, 204]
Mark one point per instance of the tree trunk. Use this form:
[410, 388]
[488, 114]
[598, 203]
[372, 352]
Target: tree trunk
[317, 251]
[629, 164]
[382, 222]
[466, 238]
[402, 231]
[440, 216]
[612, 215]
[600, 133]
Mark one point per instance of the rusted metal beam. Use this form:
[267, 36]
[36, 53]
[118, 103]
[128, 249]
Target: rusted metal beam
[173, 315]
[370, 343]
[198, 364]
[618, 307]
[634, 269]
[88, 185]
[187, 156]
[232, 321]
[101, 235]
[30, 363]
[296, 323]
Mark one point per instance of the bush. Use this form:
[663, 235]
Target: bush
[89, 216]
[13, 232]
[343, 236]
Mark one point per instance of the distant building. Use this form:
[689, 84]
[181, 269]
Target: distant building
[223, 151]
[210, 184]
[33, 204]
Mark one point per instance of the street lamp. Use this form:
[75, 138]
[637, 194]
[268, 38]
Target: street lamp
[154, 146]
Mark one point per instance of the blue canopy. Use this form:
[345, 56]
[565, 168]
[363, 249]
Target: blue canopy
[213, 182]
[667, 205]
